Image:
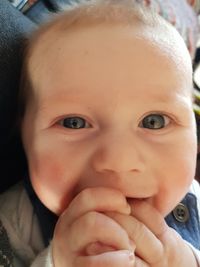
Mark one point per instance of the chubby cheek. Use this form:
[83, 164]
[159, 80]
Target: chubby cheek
[53, 181]
[178, 165]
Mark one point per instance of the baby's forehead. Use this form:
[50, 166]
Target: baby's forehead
[148, 25]
[161, 34]
[46, 54]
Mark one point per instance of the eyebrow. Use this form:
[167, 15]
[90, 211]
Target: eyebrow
[180, 102]
[183, 97]
[155, 98]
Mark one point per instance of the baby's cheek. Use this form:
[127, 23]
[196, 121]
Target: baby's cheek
[181, 156]
[50, 182]
[187, 163]
[175, 173]
[182, 179]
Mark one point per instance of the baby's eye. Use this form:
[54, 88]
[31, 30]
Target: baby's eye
[74, 123]
[154, 121]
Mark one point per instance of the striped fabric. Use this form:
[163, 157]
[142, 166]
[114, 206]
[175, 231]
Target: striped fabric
[6, 254]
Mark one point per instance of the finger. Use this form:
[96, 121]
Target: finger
[98, 248]
[95, 227]
[148, 246]
[143, 211]
[98, 199]
[109, 259]
[170, 239]
[140, 263]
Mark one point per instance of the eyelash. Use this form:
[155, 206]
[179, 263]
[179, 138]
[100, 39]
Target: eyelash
[166, 120]
[152, 119]
[74, 121]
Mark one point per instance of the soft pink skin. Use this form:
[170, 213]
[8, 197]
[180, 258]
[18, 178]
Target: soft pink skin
[112, 77]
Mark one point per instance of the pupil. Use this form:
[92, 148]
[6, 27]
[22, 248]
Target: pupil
[74, 123]
[152, 122]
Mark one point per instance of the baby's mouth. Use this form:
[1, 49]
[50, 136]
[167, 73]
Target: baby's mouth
[133, 199]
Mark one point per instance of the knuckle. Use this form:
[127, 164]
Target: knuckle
[87, 196]
[90, 221]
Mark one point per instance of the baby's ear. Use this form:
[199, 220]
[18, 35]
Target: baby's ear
[14, 28]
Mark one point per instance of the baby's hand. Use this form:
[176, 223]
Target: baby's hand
[157, 245]
[85, 236]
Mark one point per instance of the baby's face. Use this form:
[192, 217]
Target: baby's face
[111, 108]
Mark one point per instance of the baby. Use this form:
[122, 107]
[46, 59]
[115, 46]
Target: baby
[109, 133]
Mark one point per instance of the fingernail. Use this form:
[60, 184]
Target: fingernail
[132, 245]
[128, 208]
[131, 256]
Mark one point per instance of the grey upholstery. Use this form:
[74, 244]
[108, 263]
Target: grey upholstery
[14, 27]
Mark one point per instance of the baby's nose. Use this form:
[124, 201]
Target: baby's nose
[120, 154]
